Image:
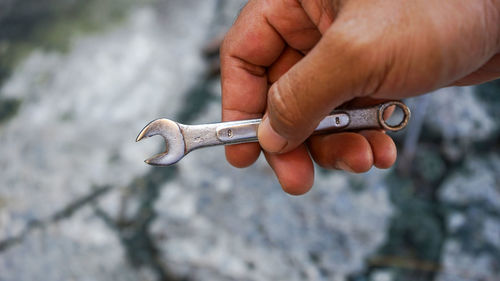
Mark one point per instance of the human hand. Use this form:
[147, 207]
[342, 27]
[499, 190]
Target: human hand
[295, 61]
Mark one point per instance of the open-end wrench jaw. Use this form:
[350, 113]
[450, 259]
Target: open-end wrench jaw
[174, 139]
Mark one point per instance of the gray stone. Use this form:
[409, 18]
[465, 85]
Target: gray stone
[458, 265]
[74, 135]
[81, 248]
[473, 250]
[457, 114]
[476, 182]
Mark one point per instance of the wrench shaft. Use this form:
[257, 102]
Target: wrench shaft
[233, 132]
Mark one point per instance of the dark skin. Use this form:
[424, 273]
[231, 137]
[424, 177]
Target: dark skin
[292, 62]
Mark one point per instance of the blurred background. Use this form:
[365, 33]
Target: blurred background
[78, 81]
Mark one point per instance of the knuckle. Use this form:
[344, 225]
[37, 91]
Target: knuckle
[223, 46]
[369, 57]
[224, 50]
[226, 45]
[284, 109]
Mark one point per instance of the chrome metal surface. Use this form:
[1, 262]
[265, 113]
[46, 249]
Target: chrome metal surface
[182, 139]
[174, 139]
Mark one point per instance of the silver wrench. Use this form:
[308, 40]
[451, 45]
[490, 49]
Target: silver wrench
[181, 139]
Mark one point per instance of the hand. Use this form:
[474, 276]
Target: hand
[295, 61]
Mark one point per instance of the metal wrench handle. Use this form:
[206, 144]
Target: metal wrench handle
[233, 132]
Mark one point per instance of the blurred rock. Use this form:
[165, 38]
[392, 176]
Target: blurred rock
[474, 183]
[81, 112]
[472, 192]
[460, 264]
[74, 133]
[457, 114]
[81, 248]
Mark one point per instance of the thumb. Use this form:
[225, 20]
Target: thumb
[336, 70]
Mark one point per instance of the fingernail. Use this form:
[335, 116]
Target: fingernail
[269, 139]
[343, 166]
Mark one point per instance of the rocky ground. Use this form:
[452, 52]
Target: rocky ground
[78, 203]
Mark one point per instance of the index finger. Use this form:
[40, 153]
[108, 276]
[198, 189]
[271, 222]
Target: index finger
[256, 41]
[250, 46]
